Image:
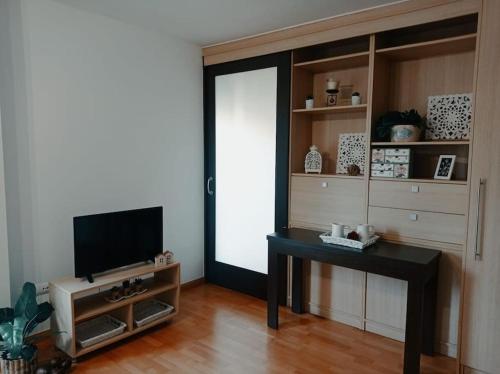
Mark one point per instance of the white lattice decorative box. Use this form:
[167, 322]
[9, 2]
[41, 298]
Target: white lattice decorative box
[449, 117]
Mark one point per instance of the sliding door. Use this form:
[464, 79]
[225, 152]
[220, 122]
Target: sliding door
[246, 167]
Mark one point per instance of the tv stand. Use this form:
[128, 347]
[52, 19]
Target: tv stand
[90, 278]
[75, 300]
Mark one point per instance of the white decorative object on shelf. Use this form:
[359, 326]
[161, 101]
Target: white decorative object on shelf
[352, 150]
[449, 117]
[165, 258]
[356, 98]
[160, 260]
[391, 162]
[328, 238]
[309, 102]
[313, 160]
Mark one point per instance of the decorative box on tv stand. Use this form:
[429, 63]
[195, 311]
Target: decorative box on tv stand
[391, 163]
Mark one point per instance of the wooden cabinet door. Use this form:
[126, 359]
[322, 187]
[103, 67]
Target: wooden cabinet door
[481, 306]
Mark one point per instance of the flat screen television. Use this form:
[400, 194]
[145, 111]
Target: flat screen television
[112, 240]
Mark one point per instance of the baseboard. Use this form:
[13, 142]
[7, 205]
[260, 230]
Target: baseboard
[192, 284]
[385, 330]
[446, 349]
[336, 315]
[468, 370]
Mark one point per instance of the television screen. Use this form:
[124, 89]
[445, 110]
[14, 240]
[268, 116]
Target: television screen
[111, 240]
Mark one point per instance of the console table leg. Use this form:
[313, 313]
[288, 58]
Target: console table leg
[297, 285]
[413, 336]
[429, 324]
[272, 289]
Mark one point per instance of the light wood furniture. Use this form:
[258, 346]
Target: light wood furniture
[393, 16]
[77, 300]
[481, 311]
[393, 70]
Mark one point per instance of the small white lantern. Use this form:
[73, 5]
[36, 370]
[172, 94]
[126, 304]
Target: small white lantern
[313, 160]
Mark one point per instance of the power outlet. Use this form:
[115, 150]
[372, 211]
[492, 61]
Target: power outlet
[42, 288]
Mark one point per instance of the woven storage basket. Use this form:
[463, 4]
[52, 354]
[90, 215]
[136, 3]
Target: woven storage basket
[19, 366]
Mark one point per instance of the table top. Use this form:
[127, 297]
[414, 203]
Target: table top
[398, 260]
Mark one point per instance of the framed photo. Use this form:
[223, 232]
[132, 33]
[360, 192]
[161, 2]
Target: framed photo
[444, 167]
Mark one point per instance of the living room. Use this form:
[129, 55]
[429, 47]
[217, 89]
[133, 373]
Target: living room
[351, 231]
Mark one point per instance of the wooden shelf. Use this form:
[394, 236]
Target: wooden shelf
[423, 143]
[335, 63]
[76, 286]
[95, 305]
[420, 180]
[431, 48]
[333, 109]
[340, 176]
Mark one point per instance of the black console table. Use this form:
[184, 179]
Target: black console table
[418, 266]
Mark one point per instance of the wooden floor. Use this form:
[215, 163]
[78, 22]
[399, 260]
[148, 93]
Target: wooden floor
[221, 331]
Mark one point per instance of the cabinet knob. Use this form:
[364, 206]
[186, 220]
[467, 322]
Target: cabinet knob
[413, 216]
[324, 184]
[415, 189]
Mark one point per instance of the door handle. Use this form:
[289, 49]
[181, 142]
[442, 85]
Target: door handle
[479, 220]
[209, 185]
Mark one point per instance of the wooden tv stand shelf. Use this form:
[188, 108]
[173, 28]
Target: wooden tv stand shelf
[76, 300]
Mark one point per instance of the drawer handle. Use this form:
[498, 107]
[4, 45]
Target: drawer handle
[413, 216]
[415, 189]
[477, 247]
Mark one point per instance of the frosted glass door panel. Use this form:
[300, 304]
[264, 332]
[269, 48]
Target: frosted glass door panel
[245, 143]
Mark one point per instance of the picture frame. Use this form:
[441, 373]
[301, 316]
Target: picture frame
[444, 168]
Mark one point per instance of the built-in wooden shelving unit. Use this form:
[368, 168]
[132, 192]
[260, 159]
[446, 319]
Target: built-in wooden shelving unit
[394, 70]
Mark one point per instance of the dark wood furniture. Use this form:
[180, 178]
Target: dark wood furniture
[417, 266]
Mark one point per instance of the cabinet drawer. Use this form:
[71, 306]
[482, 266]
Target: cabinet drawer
[431, 197]
[396, 224]
[318, 201]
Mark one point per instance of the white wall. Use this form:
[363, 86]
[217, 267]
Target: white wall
[106, 117]
[4, 252]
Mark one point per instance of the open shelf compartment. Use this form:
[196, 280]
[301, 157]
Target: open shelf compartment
[346, 62]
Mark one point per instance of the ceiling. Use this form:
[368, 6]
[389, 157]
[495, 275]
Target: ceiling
[206, 22]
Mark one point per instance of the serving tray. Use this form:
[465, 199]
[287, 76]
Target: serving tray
[328, 238]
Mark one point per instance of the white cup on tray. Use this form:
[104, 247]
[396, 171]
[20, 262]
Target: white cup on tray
[338, 230]
[365, 232]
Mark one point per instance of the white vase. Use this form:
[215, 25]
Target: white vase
[356, 100]
[405, 133]
[331, 84]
